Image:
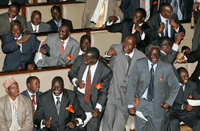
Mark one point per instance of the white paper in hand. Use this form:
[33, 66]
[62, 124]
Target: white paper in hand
[88, 117]
[193, 102]
[39, 54]
[139, 114]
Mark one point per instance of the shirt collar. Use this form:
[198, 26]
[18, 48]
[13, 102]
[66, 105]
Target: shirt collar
[19, 37]
[57, 96]
[60, 22]
[150, 63]
[33, 26]
[11, 101]
[12, 18]
[131, 54]
[31, 93]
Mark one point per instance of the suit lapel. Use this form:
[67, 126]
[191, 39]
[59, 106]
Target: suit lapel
[8, 109]
[134, 58]
[52, 105]
[81, 70]
[20, 106]
[29, 25]
[186, 93]
[157, 74]
[63, 105]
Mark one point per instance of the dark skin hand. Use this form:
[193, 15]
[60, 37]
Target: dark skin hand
[111, 52]
[47, 123]
[136, 102]
[95, 113]
[112, 18]
[137, 28]
[34, 112]
[161, 27]
[179, 37]
[132, 111]
[195, 5]
[43, 51]
[72, 124]
[173, 23]
[80, 84]
[27, 31]
[188, 107]
[23, 39]
[164, 105]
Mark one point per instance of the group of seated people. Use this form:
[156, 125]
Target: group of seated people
[140, 78]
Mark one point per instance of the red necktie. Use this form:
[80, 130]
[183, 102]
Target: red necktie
[11, 19]
[33, 100]
[88, 86]
[143, 4]
[63, 47]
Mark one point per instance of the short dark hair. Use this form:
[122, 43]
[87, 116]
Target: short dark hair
[168, 43]
[29, 79]
[58, 78]
[144, 14]
[36, 11]
[56, 6]
[85, 36]
[162, 6]
[179, 70]
[184, 47]
[94, 51]
[14, 22]
[17, 5]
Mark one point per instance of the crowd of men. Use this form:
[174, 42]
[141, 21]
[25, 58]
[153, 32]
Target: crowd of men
[141, 76]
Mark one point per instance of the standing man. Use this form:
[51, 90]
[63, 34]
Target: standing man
[15, 109]
[122, 58]
[63, 49]
[58, 108]
[57, 21]
[20, 47]
[91, 78]
[153, 82]
[35, 25]
[8, 17]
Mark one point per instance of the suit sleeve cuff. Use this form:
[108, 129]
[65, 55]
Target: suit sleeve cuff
[142, 36]
[118, 21]
[109, 23]
[177, 30]
[130, 106]
[80, 122]
[98, 106]
[74, 81]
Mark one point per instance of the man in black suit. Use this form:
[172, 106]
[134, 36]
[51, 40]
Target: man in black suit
[181, 110]
[136, 26]
[57, 21]
[57, 109]
[91, 78]
[165, 23]
[20, 47]
[128, 7]
[6, 2]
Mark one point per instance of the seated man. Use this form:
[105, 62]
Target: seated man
[57, 109]
[63, 49]
[15, 109]
[91, 78]
[35, 25]
[57, 21]
[8, 17]
[97, 12]
[181, 110]
[85, 43]
[20, 47]
[8, 2]
[136, 26]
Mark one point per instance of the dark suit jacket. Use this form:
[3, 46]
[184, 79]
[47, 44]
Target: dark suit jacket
[125, 27]
[154, 23]
[25, 93]
[103, 74]
[43, 27]
[14, 57]
[54, 27]
[46, 108]
[5, 23]
[5, 2]
[196, 38]
[128, 7]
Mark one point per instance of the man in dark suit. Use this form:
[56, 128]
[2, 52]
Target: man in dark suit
[165, 23]
[7, 2]
[91, 78]
[181, 110]
[35, 25]
[57, 109]
[136, 26]
[57, 21]
[20, 47]
[122, 58]
[12, 14]
[128, 7]
[153, 82]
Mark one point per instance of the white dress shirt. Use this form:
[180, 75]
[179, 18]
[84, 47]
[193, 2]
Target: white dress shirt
[32, 98]
[12, 18]
[35, 27]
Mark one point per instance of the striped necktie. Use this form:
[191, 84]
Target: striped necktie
[101, 16]
[15, 124]
[63, 47]
[88, 86]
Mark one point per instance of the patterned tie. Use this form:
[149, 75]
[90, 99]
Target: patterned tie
[62, 42]
[88, 86]
[58, 105]
[166, 28]
[15, 124]
[33, 100]
[143, 4]
[101, 16]
[150, 93]
[35, 29]
[11, 19]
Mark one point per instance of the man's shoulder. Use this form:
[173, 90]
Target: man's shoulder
[23, 98]
[44, 24]
[4, 15]
[66, 20]
[75, 42]
[69, 92]
[23, 92]
[50, 21]
[20, 18]
[53, 36]
[45, 94]
[3, 98]
[192, 84]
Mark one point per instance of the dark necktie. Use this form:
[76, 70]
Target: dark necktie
[150, 93]
[166, 28]
[88, 86]
[58, 105]
[129, 59]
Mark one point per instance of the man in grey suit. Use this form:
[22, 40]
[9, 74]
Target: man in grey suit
[154, 83]
[122, 58]
[35, 25]
[63, 49]
[12, 14]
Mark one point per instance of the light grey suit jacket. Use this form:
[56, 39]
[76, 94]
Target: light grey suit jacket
[24, 113]
[121, 72]
[56, 58]
[5, 23]
[90, 6]
[166, 85]
[43, 27]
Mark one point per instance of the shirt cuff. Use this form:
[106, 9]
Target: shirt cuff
[185, 57]
[175, 47]
[98, 106]
[80, 122]
[142, 36]
[106, 54]
[182, 107]
[109, 23]
[177, 30]
[130, 106]
[74, 81]
[159, 34]
[41, 126]
[118, 21]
